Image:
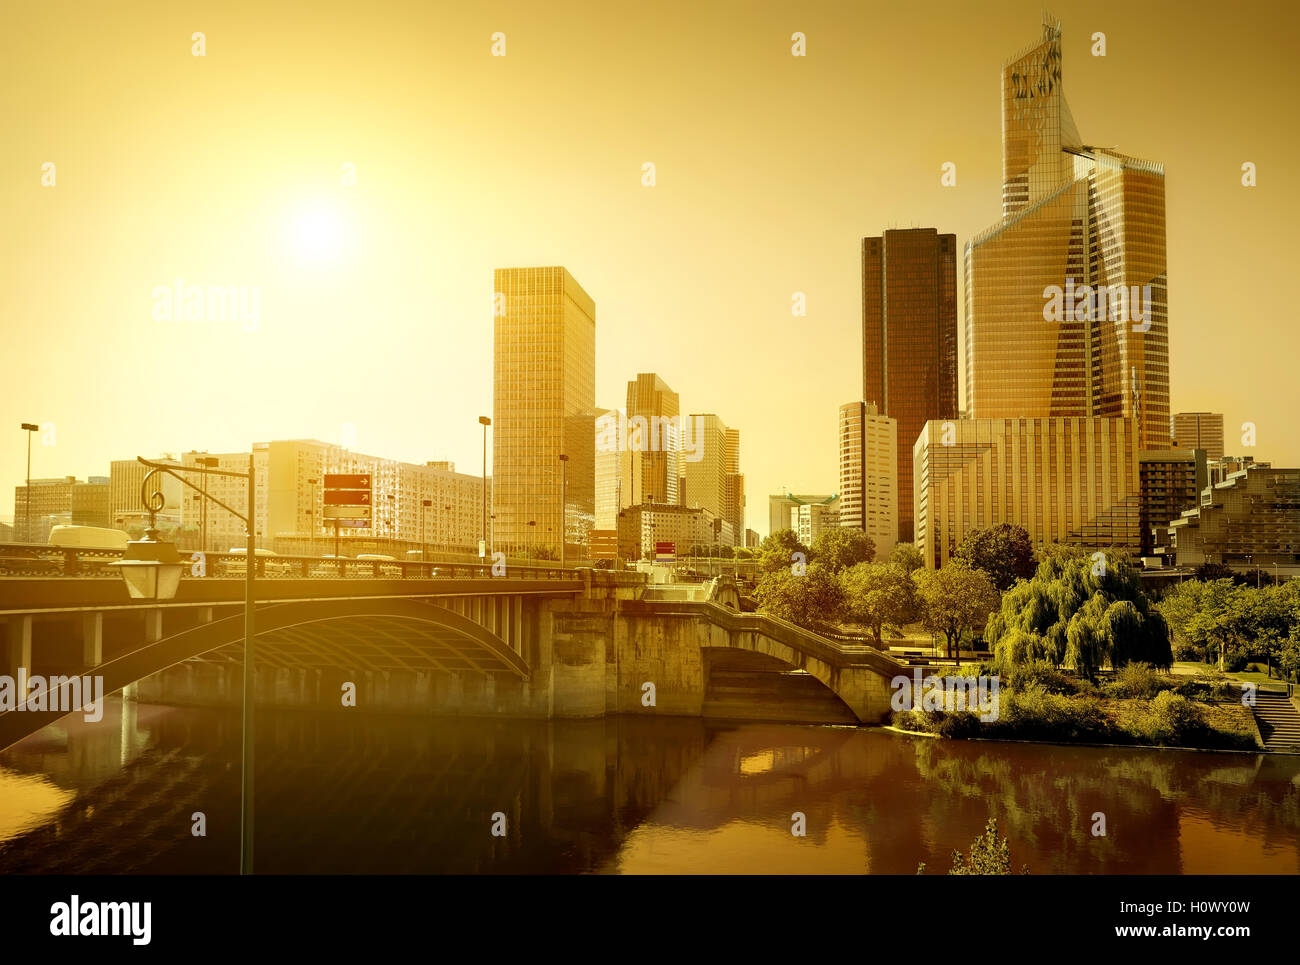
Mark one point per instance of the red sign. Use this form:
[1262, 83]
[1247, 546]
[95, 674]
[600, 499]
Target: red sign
[347, 480]
[347, 497]
[665, 551]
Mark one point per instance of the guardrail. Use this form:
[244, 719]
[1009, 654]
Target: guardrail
[41, 560]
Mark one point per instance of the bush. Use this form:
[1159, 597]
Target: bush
[1235, 662]
[1138, 680]
[959, 724]
[1172, 719]
[1189, 652]
[1042, 673]
[1203, 688]
[1036, 714]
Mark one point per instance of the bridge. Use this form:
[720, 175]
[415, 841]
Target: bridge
[535, 641]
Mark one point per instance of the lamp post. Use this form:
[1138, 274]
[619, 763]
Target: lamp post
[484, 421]
[312, 513]
[424, 541]
[152, 571]
[29, 428]
[531, 524]
[563, 462]
[211, 462]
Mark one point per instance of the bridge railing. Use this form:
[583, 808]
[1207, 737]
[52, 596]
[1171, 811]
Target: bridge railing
[42, 560]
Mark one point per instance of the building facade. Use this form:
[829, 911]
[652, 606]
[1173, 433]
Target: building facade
[810, 520]
[869, 474]
[1066, 300]
[544, 387]
[1064, 480]
[1250, 519]
[655, 455]
[713, 479]
[1199, 430]
[643, 527]
[909, 340]
[1170, 481]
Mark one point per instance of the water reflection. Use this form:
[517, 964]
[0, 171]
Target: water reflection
[339, 792]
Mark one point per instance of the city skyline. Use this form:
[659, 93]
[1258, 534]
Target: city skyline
[376, 279]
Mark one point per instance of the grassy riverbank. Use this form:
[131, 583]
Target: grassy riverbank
[1139, 706]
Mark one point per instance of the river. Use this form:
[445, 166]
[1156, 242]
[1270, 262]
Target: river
[342, 792]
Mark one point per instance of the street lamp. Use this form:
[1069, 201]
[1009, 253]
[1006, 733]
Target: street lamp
[531, 524]
[151, 569]
[211, 462]
[424, 541]
[484, 421]
[29, 428]
[312, 513]
[563, 462]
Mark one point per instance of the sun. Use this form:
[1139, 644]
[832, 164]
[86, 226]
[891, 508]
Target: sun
[316, 234]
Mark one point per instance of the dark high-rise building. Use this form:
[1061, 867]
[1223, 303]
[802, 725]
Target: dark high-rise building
[909, 339]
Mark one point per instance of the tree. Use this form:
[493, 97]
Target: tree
[813, 600]
[839, 547]
[878, 596]
[777, 550]
[1214, 613]
[1003, 551]
[990, 854]
[907, 557]
[1081, 612]
[954, 600]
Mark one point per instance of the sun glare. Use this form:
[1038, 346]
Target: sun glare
[316, 235]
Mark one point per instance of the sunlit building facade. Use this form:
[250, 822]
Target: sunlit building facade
[909, 340]
[1199, 430]
[1064, 480]
[654, 456]
[1066, 302]
[869, 474]
[544, 388]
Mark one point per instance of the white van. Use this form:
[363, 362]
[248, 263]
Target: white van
[90, 537]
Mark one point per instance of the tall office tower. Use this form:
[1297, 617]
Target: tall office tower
[613, 471]
[735, 509]
[709, 483]
[1064, 480]
[544, 401]
[869, 474]
[909, 339]
[1066, 297]
[653, 413]
[1199, 430]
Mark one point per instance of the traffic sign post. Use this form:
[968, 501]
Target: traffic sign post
[346, 496]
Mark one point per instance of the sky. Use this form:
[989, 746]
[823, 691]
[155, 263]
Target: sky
[374, 297]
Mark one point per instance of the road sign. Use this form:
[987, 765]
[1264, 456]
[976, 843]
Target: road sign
[482, 549]
[347, 512]
[347, 497]
[665, 550]
[347, 480]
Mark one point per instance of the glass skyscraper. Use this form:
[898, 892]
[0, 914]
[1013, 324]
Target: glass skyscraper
[544, 404]
[1066, 305]
[909, 339]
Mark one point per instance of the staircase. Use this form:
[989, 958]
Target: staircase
[793, 696]
[1279, 721]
